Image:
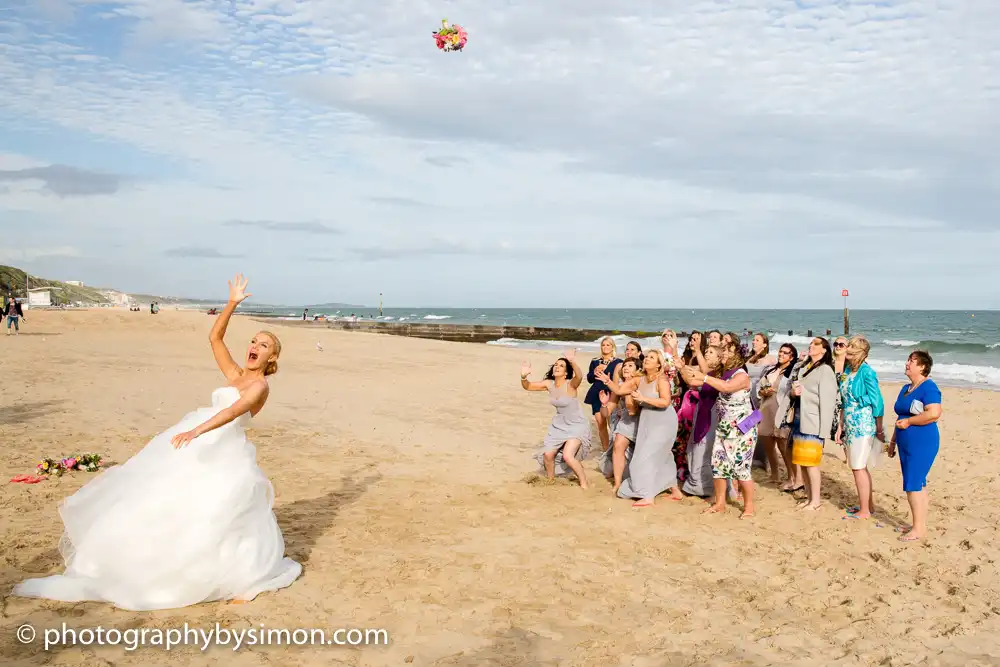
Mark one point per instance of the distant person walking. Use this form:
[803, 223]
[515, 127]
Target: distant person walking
[14, 314]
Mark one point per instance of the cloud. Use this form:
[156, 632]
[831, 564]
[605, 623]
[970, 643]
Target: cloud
[298, 227]
[617, 129]
[400, 201]
[445, 161]
[200, 253]
[445, 248]
[66, 181]
[60, 11]
[14, 254]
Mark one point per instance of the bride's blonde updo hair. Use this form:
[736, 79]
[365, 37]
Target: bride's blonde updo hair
[272, 365]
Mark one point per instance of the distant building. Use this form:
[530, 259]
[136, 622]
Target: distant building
[40, 296]
[118, 298]
[75, 283]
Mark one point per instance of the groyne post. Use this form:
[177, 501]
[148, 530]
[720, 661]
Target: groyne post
[847, 316]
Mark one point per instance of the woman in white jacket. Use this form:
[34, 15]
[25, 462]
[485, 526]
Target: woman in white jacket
[814, 400]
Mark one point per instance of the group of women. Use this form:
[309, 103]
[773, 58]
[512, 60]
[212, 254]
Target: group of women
[696, 423]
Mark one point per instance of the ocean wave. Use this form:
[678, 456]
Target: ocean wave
[437, 317]
[800, 342]
[942, 346]
[945, 374]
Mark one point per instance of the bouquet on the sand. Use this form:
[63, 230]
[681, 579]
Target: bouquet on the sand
[84, 462]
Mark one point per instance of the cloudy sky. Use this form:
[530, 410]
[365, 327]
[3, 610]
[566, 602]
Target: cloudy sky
[578, 153]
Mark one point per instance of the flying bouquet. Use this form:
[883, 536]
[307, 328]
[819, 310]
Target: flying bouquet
[450, 37]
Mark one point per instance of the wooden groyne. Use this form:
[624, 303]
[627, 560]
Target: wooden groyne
[478, 333]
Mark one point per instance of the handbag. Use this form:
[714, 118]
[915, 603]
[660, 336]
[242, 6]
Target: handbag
[751, 420]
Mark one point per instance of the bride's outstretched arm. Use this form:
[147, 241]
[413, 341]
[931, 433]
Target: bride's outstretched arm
[254, 395]
[237, 294]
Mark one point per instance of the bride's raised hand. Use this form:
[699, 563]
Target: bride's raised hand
[525, 370]
[238, 289]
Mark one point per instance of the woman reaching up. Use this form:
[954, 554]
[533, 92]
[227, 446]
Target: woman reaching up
[623, 414]
[736, 431]
[651, 470]
[188, 519]
[568, 441]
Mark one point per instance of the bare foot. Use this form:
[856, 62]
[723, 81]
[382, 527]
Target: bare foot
[802, 504]
[714, 509]
[675, 494]
[645, 502]
[813, 508]
[910, 537]
[746, 514]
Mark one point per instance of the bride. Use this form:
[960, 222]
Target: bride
[188, 519]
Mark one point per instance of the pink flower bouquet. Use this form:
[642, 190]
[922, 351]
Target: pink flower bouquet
[85, 462]
[450, 38]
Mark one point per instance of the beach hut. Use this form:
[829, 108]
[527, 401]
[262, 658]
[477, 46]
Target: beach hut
[40, 297]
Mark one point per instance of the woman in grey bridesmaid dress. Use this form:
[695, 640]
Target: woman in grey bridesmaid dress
[623, 415]
[567, 442]
[652, 469]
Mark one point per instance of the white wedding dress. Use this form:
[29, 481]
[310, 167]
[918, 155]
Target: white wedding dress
[173, 527]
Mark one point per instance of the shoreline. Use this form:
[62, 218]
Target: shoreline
[545, 339]
[482, 333]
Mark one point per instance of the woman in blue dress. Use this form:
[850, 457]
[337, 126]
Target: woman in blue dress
[918, 408]
[608, 363]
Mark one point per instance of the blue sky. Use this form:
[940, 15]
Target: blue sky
[578, 153]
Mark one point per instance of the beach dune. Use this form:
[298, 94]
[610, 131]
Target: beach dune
[405, 486]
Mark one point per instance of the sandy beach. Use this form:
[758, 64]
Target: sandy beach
[405, 486]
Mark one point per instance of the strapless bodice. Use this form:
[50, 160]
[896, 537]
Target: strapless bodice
[223, 397]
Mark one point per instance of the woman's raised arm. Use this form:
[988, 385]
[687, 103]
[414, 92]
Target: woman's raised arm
[237, 294]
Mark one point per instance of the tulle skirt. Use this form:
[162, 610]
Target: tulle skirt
[172, 527]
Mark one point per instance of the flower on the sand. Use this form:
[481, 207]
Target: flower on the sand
[50, 467]
[86, 462]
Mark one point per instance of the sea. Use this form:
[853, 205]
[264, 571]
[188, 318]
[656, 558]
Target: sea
[964, 345]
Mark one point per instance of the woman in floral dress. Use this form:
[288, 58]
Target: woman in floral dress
[732, 454]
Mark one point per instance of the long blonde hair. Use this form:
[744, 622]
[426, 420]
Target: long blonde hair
[865, 347]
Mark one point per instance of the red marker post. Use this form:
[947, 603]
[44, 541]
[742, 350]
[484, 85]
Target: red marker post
[847, 317]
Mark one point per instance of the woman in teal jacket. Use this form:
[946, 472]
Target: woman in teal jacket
[860, 429]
